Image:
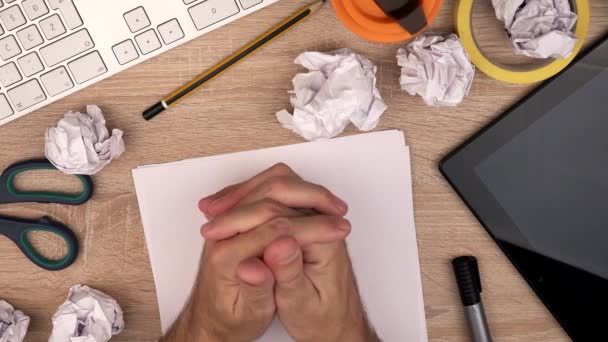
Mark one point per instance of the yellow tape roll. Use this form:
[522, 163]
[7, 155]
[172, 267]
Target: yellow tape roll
[465, 32]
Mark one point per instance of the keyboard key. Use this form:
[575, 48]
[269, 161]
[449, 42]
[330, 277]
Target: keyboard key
[188, 2]
[12, 17]
[9, 48]
[171, 31]
[57, 81]
[26, 95]
[9, 74]
[210, 12]
[148, 42]
[87, 67]
[30, 64]
[30, 37]
[52, 27]
[250, 3]
[1, 31]
[137, 19]
[125, 52]
[5, 107]
[34, 8]
[66, 47]
[69, 13]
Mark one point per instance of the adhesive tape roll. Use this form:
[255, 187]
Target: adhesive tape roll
[465, 32]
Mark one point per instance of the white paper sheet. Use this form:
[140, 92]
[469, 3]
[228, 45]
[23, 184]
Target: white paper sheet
[370, 171]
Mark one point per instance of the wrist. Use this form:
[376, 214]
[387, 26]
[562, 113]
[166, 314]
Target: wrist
[360, 333]
[204, 327]
[360, 329]
[188, 327]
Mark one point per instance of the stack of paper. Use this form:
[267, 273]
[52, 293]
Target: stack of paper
[371, 172]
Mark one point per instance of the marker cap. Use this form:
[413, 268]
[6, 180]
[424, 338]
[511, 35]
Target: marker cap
[466, 270]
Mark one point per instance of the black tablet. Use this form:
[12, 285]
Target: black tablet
[537, 179]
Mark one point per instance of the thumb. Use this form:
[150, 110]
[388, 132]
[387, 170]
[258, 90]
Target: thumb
[257, 285]
[285, 260]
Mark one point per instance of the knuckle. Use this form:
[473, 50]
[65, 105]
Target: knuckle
[323, 192]
[272, 208]
[274, 185]
[281, 169]
[279, 226]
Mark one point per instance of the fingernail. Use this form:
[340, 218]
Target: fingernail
[207, 227]
[340, 205]
[210, 197]
[288, 258]
[216, 203]
[344, 225]
[217, 195]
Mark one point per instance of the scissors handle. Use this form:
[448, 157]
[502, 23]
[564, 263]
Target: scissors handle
[17, 230]
[10, 194]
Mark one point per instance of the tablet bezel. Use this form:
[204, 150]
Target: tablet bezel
[545, 276]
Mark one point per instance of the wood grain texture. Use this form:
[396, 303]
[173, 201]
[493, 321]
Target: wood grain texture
[235, 113]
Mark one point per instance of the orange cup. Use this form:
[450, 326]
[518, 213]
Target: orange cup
[366, 19]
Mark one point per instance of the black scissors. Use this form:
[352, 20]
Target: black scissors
[17, 229]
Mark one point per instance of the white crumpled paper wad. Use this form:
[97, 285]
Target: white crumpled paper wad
[339, 88]
[13, 323]
[538, 28]
[437, 68]
[87, 316]
[81, 144]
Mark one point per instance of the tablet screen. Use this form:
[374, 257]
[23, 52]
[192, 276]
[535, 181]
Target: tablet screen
[552, 179]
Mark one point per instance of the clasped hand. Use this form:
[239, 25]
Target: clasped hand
[275, 245]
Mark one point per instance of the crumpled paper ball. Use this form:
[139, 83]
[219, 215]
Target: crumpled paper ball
[437, 68]
[87, 315]
[538, 28]
[339, 88]
[13, 323]
[81, 144]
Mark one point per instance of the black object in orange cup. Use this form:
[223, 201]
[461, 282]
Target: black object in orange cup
[386, 21]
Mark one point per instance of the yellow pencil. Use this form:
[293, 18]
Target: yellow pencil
[227, 63]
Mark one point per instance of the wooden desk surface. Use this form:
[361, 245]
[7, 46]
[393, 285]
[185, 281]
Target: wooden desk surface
[236, 112]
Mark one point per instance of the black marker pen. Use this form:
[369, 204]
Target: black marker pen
[469, 285]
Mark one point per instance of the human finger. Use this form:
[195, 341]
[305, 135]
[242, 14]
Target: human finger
[324, 255]
[230, 199]
[306, 230]
[244, 218]
[297, 193]
[285, 260]
[204, 203]
[257, 285]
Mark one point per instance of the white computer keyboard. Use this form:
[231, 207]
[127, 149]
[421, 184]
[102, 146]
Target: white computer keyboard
[52, 48]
